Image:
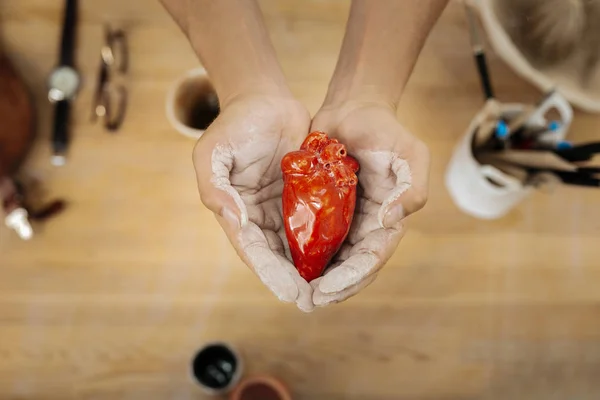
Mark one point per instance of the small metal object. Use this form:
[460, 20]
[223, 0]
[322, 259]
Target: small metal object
[110, 99]
[16, 216]
[18, 219]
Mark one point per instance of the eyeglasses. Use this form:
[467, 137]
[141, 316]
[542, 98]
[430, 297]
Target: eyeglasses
[110, 99]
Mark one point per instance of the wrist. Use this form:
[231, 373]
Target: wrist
[251, 87]
[351, 100]
[242, 62]
[344, 91]
[332, 113]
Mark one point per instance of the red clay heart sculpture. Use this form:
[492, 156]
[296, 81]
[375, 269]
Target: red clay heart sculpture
[319, 197]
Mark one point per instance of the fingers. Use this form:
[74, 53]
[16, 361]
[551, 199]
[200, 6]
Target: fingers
[411, 187]
[304, 299]
[321, 299]
[273, 269]
[365, 259]
[213, 163]
[252, 246]
[362, 225]
[265, 264]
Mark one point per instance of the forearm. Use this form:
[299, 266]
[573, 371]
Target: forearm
[382, 43]
[232, 42]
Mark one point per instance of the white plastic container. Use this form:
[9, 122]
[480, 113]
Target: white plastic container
[470, 183]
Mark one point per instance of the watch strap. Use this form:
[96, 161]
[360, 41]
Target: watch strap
[60, 136]
[67, 45]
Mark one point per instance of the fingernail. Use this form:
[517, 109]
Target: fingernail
[231, 218]
[393, 215]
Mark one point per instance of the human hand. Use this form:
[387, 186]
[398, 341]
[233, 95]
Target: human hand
[237, 163]
[393, 183]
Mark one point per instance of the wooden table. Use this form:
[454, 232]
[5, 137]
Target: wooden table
[111, 299]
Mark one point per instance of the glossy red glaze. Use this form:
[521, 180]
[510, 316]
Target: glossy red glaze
[319, 197]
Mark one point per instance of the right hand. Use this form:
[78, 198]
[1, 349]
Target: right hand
[237, 163]
[393, 179]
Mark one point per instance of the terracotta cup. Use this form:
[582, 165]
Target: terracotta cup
[260, 387]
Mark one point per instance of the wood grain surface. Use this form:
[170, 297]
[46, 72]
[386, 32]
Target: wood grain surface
[111, 299]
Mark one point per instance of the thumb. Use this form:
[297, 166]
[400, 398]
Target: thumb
[213, 163]
[410, 191]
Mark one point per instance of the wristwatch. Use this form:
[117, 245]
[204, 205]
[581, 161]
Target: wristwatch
[63, 83]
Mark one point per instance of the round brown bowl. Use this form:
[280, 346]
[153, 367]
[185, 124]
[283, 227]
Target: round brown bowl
[260, 387]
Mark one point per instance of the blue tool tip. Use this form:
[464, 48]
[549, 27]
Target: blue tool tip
[563, 145]
[554, 125]
[501, 129]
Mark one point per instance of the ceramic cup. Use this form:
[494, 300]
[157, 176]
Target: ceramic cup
[486, 192]
[568, 75]
[261, 387]
[192, 103]
[217, 368]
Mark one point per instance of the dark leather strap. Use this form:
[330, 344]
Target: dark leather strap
[67, 45]
[60, 138]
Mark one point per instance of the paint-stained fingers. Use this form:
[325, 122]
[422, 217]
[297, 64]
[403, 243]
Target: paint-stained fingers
[305, 291]
[213, 163]
[321, 299]
[266, 214]
[412, 186]
[264, 253]
[341, 256]
[362, 225]
[274, 241]
[286, 246]
[261, 251]
[366, 258]
[304, 300]
[274, 270]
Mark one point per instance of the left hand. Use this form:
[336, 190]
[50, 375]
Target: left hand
[393, 183]
[237, 162]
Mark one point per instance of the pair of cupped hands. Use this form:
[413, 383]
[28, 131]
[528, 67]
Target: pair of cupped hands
[237, 163]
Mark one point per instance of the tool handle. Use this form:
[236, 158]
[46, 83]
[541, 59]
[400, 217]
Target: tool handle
[484, 75]
[575, 178]
[554, 101]
[580, 153]
[578, 179]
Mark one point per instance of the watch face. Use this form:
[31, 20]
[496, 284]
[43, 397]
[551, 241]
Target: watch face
[63, 83]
